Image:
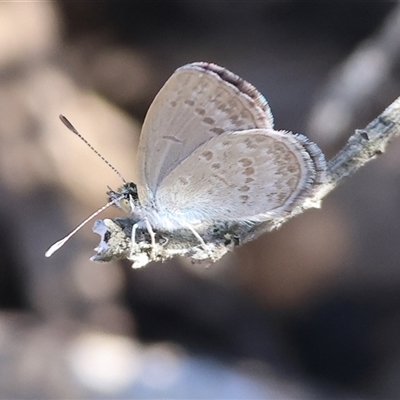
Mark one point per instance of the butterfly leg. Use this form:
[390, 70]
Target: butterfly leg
[208, 248]
[138, 257]
[151, 232]
[152, 236]
[134, 245]
[198, 237]
[133, 239]
[133, 234]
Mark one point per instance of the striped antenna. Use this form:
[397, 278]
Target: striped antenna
[68, 124]
[61, 242]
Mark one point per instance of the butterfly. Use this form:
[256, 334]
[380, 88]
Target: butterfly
[208, 152]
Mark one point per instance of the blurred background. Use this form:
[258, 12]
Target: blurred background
[309, 311]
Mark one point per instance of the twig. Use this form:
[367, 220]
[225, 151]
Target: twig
[357, 83]
[363, 146]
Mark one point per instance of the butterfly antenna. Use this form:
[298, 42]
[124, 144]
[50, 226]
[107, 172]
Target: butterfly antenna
[68, 124]
[61, 242]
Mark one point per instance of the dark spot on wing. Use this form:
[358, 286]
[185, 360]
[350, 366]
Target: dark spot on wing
[172, 139]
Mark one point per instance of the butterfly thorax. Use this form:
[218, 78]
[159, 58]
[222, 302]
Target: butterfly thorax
[126, 198]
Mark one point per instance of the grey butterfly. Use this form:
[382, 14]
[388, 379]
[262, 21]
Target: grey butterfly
[208, 152]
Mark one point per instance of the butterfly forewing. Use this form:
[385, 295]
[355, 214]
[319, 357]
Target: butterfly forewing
[199, 102]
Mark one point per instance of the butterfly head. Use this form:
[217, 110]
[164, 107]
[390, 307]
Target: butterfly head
[126, 197]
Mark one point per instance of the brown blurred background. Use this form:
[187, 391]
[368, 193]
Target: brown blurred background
[309, 311]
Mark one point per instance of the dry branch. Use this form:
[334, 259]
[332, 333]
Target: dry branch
[363, 146]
